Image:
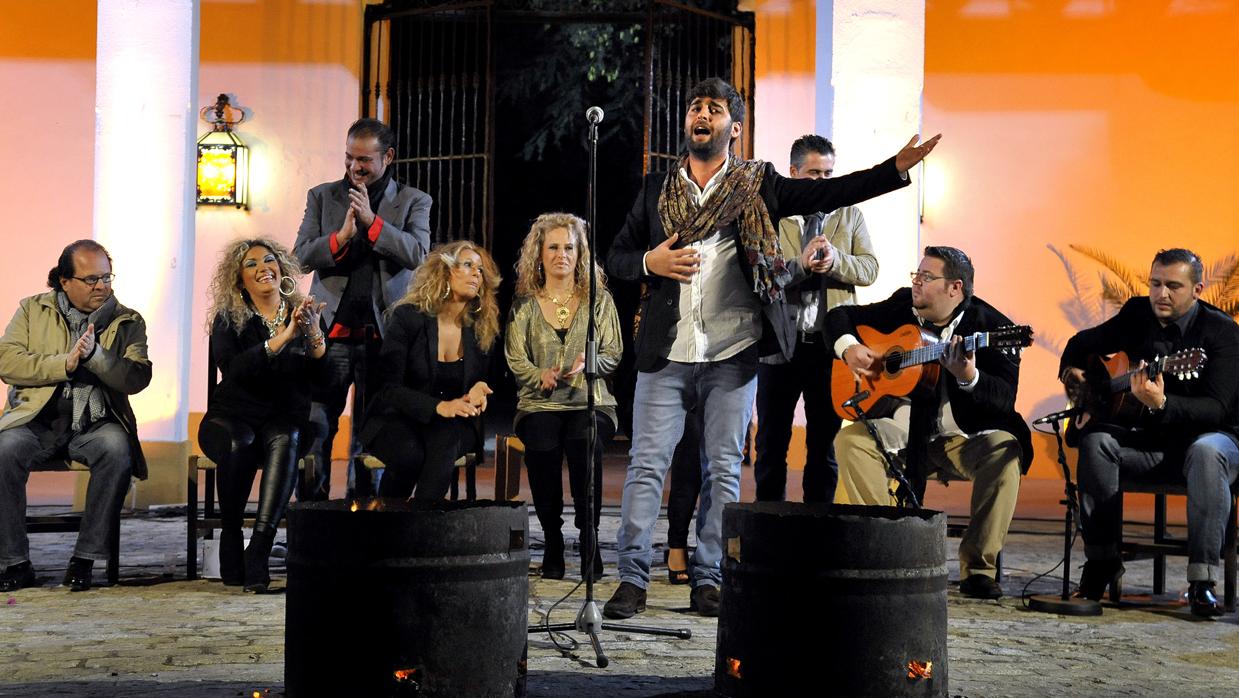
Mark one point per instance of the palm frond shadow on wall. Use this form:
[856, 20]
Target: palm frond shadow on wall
[1094, 300]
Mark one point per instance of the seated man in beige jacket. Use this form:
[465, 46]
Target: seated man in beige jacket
[71, 357]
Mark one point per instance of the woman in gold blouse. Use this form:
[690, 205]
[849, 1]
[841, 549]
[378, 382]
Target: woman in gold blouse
[545, 348]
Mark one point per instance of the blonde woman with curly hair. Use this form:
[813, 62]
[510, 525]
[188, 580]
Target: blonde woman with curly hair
[267, 341]
[433, 367]
[545, 348]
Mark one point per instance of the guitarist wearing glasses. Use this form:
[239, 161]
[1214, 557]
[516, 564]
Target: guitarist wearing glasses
[961, 424]
[1186, 430]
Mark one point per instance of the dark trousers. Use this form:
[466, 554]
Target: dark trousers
[687, 478]
[550, 438]
[779, 387]
[420, 456]
[346, 366]
[239, 451]
[104, 447]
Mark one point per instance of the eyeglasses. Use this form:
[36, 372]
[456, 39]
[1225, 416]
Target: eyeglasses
[94, 280]
[924, 277]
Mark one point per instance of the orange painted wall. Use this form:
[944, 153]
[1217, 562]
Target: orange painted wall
[1114, 130]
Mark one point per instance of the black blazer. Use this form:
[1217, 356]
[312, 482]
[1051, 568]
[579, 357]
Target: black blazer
[1208, 403]
[254, 388]
[991, 404]
[643, 231]
[407, 365]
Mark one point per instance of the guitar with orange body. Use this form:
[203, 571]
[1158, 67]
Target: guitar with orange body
[909, 362]
[1105, 395]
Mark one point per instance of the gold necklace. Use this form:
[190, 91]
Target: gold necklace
[562, 311]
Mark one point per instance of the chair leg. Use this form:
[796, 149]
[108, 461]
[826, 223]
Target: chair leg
[1228, 558]
[1159, 536]
[454, 493]
[209, 511]
[113, 569]
[191, 522]
[471, 479]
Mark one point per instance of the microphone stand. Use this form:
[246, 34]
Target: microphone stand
[589, 618]
[893, 471]
[1065, 604]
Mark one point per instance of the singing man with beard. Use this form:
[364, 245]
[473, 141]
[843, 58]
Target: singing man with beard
[703, 239]
[362, 236]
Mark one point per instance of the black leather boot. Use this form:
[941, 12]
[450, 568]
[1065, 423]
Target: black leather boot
[257, 557]
[231, 557]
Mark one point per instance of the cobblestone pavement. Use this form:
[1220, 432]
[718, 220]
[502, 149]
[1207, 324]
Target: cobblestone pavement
[158, 635]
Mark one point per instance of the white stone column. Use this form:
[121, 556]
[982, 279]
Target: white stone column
[146, 123]
[870, 82]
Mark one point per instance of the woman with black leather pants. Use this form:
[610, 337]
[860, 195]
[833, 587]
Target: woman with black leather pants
[268, 344]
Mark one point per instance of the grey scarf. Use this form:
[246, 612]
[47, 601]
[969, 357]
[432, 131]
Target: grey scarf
[89, 405]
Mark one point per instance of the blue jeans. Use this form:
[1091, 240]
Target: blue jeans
[1209, 466]
[723, 391]
[104, 448]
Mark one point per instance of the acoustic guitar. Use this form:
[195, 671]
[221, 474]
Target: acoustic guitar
[909, 362]
[1104, 398]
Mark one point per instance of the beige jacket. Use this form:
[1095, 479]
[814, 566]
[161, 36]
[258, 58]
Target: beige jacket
[855, 262]
[35, 346]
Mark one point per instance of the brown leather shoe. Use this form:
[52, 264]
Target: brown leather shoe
[978, 586]
[627, 601]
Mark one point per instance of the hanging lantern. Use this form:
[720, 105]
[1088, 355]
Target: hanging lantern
[223, 158]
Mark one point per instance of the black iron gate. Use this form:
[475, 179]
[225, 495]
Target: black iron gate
[429, 71]
[428, 74]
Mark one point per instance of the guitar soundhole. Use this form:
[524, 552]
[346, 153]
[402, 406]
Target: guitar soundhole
[890, 362]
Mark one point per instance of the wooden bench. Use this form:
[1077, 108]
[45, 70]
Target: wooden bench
[72, 523]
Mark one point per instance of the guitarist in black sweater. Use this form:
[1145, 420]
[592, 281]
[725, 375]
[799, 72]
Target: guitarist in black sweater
[966, 427]
[1189, 430]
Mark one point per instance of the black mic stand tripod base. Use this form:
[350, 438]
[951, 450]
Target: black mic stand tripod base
[589, 619]
[1064, 604]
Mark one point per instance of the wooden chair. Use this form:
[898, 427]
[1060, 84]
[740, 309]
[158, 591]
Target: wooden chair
[1163, 544]
[72, 523]
[204, 522]
[509, 452]
[468, 463]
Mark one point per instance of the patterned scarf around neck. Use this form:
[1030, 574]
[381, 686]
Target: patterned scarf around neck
[736, 199]
[88, 400]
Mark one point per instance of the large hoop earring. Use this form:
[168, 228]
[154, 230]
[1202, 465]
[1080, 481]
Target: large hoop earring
[477, 309]
[292, 286]
[447, 291]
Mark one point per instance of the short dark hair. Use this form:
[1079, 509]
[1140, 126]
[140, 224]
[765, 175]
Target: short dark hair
[809, 143]
[64, 268]
[1181, 255]
[717, 88]
[956, 265]
[366, 128]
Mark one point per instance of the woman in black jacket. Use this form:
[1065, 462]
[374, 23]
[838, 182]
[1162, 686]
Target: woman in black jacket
[267, 342]
[433, 364]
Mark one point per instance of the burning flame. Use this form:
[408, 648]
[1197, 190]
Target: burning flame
[920, 670]
[353, 506]
[733, 667]
[406, 674]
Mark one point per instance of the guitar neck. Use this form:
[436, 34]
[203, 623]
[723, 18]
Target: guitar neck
[933, 352]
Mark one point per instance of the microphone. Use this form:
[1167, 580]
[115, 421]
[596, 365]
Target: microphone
[855, 399]
[594, 115]
[1055, 416]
